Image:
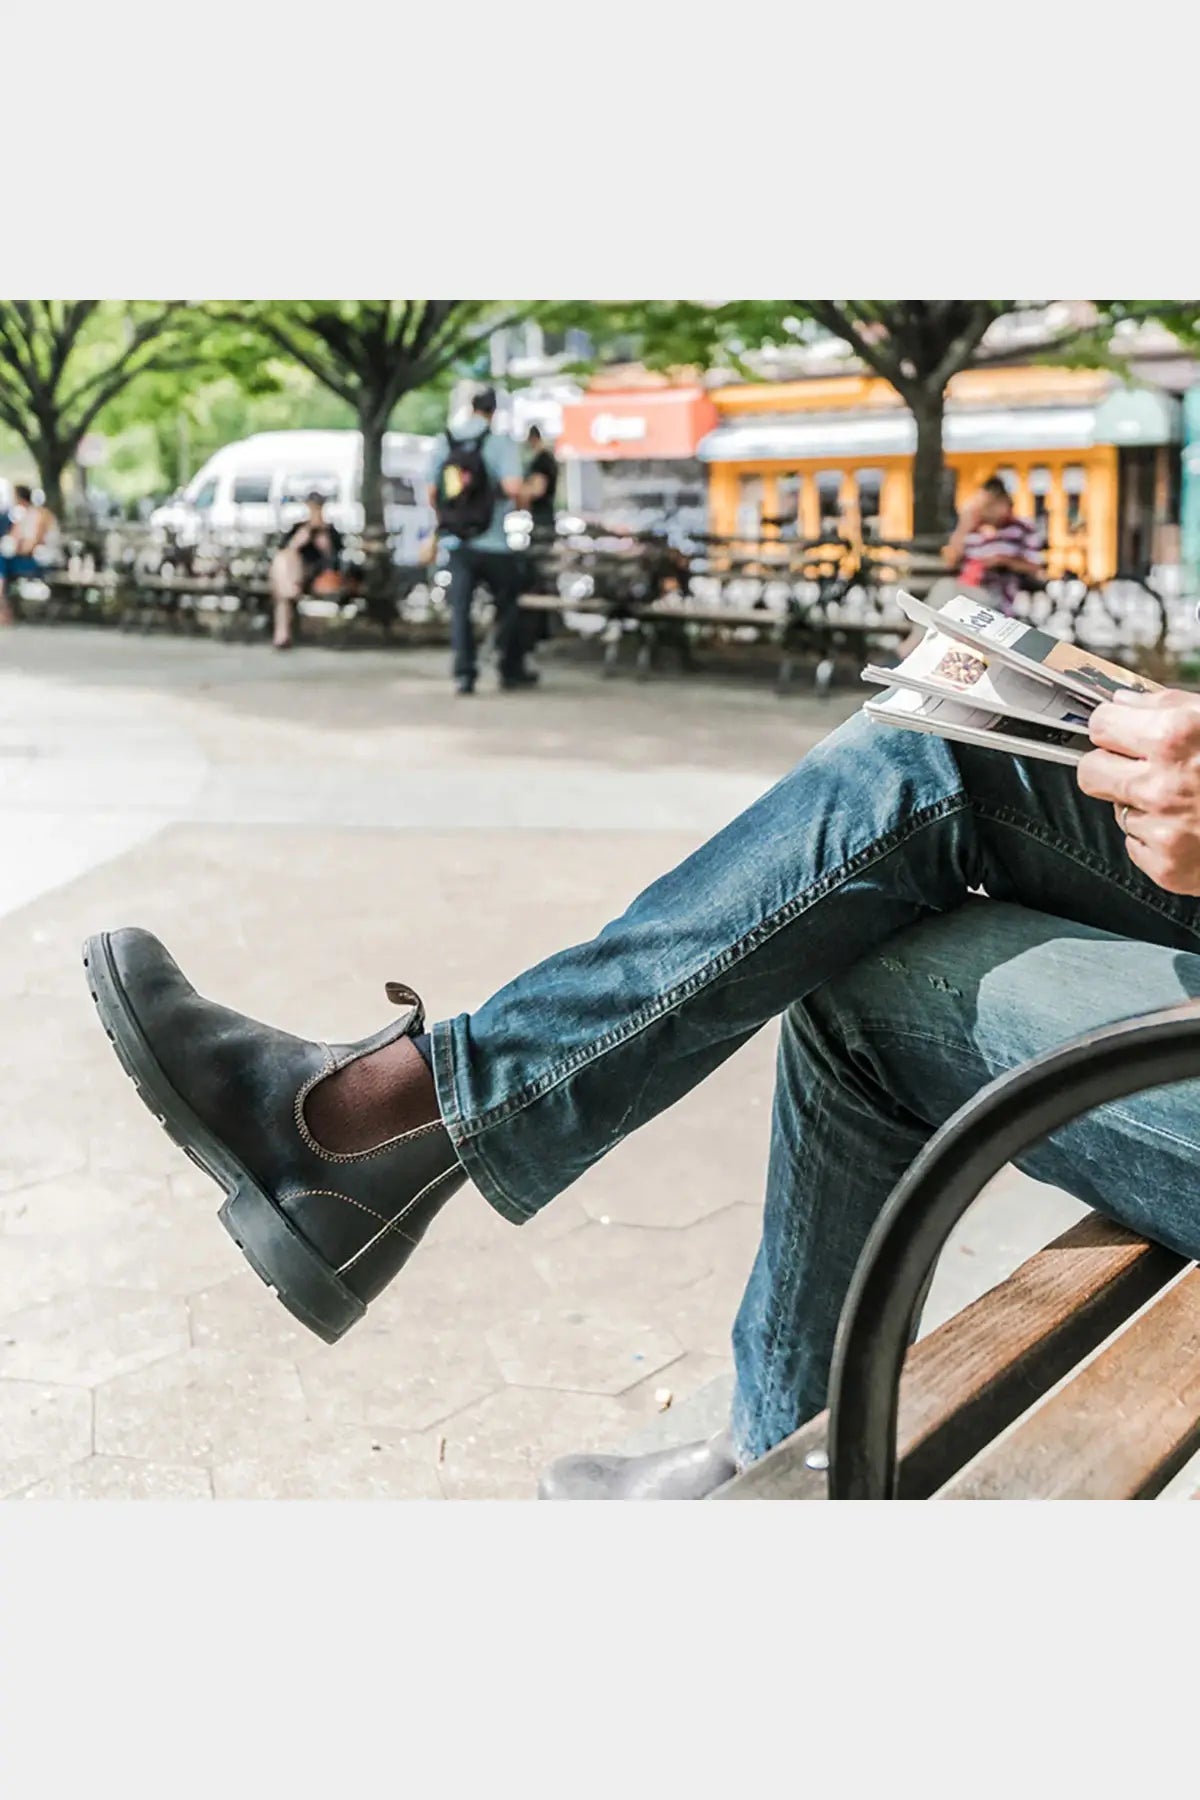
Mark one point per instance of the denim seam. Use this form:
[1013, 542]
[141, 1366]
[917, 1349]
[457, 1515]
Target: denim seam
[802, 1223]
[475, 1161]
[1086, 859]
[872, 1028]
[871, 853]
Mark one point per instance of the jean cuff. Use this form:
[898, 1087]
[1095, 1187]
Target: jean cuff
[468, 1149]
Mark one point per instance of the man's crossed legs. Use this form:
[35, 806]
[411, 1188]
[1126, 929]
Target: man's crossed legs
[841, 900]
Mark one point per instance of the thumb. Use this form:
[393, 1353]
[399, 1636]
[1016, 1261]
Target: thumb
[1147, 699]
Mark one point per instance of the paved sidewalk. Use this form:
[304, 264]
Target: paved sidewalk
[300, 830]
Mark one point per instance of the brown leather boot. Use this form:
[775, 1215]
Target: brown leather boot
[326, 1229]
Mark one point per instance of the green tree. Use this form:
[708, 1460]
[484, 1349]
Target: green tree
[63, 361]
[919, 346]
[170, 423]
[374, 353]
[916, 346]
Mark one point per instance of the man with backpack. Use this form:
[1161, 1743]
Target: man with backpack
[475, 482]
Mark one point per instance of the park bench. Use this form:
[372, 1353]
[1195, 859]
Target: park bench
[129, 577]
[808, 601]
[1077, 1378]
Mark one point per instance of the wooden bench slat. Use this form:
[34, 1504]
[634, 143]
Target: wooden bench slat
[968, 1380]
[785, 1473]
[1119, 1430]
[971, 1377]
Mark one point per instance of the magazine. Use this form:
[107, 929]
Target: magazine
[940, 666]
[1025, 648]
[914, 711]
[980, 677]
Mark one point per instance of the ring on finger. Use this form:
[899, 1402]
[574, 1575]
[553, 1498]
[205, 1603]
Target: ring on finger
[1123, 818]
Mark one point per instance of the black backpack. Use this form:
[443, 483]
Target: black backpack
[466, 495]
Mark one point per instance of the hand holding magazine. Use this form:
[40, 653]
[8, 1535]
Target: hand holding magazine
[980, 677]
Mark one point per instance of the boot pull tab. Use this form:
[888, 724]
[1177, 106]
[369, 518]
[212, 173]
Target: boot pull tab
[399, 995]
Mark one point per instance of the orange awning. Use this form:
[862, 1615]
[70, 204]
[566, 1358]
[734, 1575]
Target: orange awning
[665, 423]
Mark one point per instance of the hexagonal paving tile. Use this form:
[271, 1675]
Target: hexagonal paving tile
[32, 1150]
[243, 1316]
[470, 1285]
[397, 1372]
[330, 1462]
[33, 1269]
[498, 1449]
[693, 1179]
[598, 1351]
[558, 1220]
[200, 1406]
[81, 1201]
[42, 1429]
[122, 1478]
[85, 1338]
[161, 1252]
[678, 1382]
[702, 1316]
[631, 1264]
[129, 1139]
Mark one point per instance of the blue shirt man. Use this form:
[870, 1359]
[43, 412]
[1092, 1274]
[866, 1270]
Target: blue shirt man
[502, 460]
[487, 558]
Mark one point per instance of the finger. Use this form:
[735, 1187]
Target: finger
[1146, 828]
[1149, 860]
[1147, 699]
[1137, 731]
[1106, 776]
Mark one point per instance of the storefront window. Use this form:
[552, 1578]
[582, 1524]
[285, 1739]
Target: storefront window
[787, 505]
[749, 507]
[1040, 483]
[829, 501]
[870, 487]
[1074, 481]
[643, 494]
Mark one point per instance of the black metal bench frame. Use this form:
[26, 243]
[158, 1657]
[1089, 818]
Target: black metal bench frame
[899, 1258]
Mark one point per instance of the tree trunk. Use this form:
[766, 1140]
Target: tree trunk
[372, 467]
[929, 509]
[378, 584]
[52, 458]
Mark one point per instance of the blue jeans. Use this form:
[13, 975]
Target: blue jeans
[502, 571]
[11, 566]
[842, 900]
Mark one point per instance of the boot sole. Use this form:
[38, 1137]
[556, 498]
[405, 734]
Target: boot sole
[300, 1278]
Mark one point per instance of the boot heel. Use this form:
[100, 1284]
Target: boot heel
[277, 1253]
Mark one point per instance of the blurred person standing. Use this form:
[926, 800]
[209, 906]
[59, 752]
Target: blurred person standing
[475, 481]
[541, 481]
[30, 544]
[541, 484]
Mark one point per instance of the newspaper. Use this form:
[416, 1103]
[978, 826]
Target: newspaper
[913, 711]
[1024, 647]
[980, 677]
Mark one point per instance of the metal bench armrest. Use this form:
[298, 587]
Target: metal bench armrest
[1006, 1118]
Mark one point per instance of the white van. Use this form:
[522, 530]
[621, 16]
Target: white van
[257, 487]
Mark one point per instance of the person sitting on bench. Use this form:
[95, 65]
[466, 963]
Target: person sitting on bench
[993, 550]
[308, 561]
[29, 545]
[846, 899]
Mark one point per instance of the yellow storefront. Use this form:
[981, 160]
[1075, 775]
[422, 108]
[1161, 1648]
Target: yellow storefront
[833, 454]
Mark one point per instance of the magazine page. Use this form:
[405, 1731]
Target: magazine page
[913, 711]
[940, 665]
[1026, 649]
